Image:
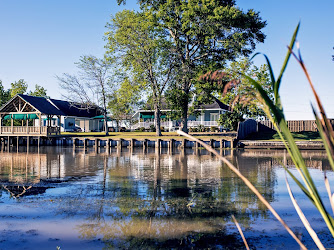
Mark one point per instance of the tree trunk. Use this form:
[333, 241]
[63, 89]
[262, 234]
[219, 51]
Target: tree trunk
[184, 118]
[106, 123]
[157, 120]
[185, 98]
[117, 125]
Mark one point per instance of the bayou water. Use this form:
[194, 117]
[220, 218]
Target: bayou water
[82, 199]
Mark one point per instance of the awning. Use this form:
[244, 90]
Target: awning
[98, 117]
[146, 116]
[20, 116]
[150, 116]
[101, 117]
[53, 119]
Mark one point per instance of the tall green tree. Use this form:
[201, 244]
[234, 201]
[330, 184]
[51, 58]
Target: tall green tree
[39, 91]
[18, 87]
[4, 94]
[143, 49]
[92, 85]
[234, 89]
[242, 93]
[124, 99]
[205, 34]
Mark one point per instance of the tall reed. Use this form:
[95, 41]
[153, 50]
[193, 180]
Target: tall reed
[274, 112]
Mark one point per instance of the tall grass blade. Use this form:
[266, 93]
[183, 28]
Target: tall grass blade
[330, 195]
[292, 147]
[303, 219]
[248, 183]
[325, 139]
[267, 101]
[285, 63]
[301, 186]
[327, 127]
[240, 231]
[271, 72]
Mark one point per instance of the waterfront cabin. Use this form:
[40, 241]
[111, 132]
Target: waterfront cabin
[208, 115]
[26, 115]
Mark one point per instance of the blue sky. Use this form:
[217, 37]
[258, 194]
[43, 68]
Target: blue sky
[41, 39]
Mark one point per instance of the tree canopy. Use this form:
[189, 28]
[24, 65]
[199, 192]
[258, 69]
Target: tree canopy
[143, 50]
[204, 36]
[39, 91]
[4, 94]
[124, 99]
[18, 87]
[239, 93]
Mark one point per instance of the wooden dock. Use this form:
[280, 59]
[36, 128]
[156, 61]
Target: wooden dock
[6, 142]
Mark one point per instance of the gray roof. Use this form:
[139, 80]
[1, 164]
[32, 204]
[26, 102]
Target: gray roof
[52, 106]
[42, 104]
[76, 109]
[215, 105]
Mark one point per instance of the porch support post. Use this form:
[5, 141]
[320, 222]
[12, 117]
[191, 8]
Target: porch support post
[0, 124]
[40, 122]
[27, 123]
[11, 121]
[139, 125]
[58, 124]
[49, 123]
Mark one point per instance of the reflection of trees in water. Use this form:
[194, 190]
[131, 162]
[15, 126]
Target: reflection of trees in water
[151, 201]
[160, 233]
[135, 199]
[245, 203]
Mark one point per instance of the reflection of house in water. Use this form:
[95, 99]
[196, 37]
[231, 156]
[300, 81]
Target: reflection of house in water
[177, 174]
[33, 168]
[176, 167]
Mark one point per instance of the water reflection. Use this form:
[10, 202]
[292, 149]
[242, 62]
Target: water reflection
[135, 198]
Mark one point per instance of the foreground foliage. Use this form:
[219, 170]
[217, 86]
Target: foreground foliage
[274, 111]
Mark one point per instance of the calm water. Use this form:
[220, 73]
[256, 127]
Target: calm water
[88, 200]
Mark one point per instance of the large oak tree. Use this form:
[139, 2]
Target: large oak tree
[205, 35]
[143, 50]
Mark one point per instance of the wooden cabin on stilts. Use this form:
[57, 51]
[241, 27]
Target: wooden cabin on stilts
[22, 117]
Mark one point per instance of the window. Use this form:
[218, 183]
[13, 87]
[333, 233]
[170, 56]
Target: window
[214, 117]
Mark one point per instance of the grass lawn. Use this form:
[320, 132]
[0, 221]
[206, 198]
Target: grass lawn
[144, 135]
[271, 136]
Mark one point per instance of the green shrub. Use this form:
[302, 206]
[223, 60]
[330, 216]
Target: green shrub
[213, 129]
[152, 128]
[141, 129]
[193, 129]
[201, 128]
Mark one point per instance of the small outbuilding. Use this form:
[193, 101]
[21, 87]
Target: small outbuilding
[26, 115]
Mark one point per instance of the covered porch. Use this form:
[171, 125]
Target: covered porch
[21, 117]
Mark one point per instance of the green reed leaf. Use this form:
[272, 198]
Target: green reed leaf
[279, 79]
